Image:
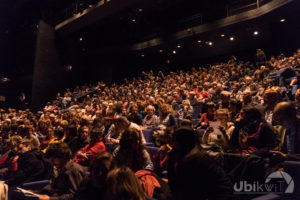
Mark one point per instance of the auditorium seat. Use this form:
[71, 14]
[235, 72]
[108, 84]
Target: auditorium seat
[152, 151]
[177, 121]
[294, 89]
[148, 137]
[35, 185]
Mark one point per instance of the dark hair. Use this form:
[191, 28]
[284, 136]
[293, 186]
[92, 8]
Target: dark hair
[96, 133]
[59, 133]
[252, 113]
[186, 137]
[100, 158]
[72, 130]
[59, 150]
[236, 103]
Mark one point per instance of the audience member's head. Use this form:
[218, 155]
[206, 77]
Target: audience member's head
[124, 185]
[285, 114]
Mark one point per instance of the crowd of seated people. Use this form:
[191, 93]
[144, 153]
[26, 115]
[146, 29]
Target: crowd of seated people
[204, 125]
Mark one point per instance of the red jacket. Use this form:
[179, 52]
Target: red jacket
[91, 150]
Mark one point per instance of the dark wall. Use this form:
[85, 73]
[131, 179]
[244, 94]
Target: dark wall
[49, 73]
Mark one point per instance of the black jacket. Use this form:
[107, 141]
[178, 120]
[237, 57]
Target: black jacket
[31, 167]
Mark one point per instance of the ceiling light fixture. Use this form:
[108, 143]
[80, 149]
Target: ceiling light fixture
[231, 38]
[255, 33]
[282, 20]
[222, 35]
[174, 52]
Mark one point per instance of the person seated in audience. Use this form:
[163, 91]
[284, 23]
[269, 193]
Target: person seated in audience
[223, 132]
[122, 124]
[185, 111]
[95, 186]
[235, 107]
[30, 164]
[167, 119]
[192, 173]
[134, 116]
[225, 99]
[160, 159]
[83, 139]
[86, 155]
[71, 137]
[270, 98]
[34, 139]
[132, 152]
[47, 137]
[124, 185]
[252, 133]
[8, 161]
[151, 120]
[209, 115]
[109, 128]
[69, 175]
[58, 137]
[285, 114]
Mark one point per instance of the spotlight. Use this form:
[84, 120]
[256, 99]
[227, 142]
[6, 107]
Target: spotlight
[133, 20]
[255, 33]
[90, 6]
[210, 43]
[178, 46]
[69, 68]
[174, 52]
[231, 38]
[81, 39]
[4, 79]
[222, 35]
[282, 20]
[143, 55]
[140, 10]
[160, 51]
[199, 41]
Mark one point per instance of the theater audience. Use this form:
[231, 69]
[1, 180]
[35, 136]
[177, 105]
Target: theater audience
[259, 121]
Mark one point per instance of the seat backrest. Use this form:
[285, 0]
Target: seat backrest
[148, 135]
[152, 151]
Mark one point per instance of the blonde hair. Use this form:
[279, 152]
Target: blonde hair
[124, 185]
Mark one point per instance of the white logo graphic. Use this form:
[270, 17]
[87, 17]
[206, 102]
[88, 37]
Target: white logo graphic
[273, 183]
[283, 175]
